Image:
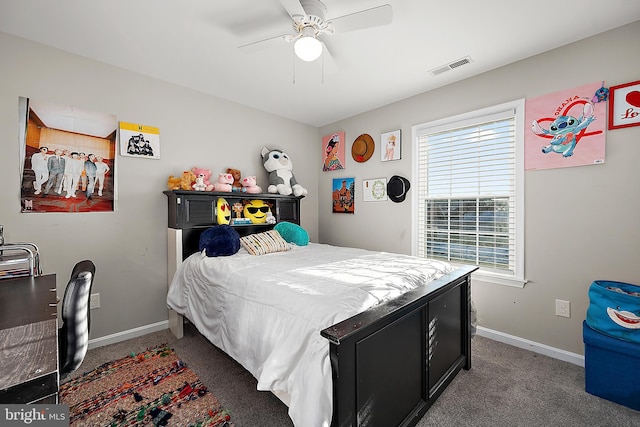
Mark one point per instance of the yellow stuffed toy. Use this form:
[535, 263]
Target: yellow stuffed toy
[188, 178]
[173, 183]
[181, 182]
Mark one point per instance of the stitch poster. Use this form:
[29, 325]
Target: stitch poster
[565, 129]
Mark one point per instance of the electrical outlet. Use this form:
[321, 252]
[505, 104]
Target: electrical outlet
[94, 301]
[563, 308]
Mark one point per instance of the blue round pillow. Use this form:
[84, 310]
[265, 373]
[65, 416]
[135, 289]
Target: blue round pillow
[292, 233]
[220, 240]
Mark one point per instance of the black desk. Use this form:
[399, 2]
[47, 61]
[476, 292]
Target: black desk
[28, 340]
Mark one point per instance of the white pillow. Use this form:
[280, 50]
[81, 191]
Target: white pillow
[264, 243]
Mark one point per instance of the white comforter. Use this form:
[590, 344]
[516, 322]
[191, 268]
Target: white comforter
[267, 311]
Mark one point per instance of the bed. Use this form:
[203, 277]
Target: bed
[379, 355]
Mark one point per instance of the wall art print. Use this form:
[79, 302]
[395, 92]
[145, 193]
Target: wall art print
[67, 158]
[343, 195]
[139, 141]
[565, 129]
[374, 190]
[333, 149]
[624, 105]
[390, 146]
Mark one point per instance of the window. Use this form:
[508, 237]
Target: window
[469, 202]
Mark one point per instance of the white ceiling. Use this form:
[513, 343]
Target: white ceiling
[194, 43]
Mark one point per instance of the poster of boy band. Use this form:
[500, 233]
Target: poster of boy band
[68, 158]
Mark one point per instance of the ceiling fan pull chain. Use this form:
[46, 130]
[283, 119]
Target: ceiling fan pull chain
[293, 66]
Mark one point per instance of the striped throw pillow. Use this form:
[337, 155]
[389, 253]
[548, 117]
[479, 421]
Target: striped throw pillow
[264, 243]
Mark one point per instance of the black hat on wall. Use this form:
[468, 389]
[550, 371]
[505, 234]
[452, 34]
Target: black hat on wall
[397, 188]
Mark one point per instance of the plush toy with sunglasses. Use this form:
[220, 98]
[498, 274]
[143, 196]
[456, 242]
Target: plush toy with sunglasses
[257, 211]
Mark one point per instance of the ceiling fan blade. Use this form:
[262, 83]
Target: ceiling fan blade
[263, 44]
[329, 65]
[374, 17]
[293, 7]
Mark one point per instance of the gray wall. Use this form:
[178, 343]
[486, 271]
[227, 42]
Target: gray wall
[129, 246]
[581, 223]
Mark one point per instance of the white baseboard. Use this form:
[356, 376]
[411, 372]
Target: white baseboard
[125, 335]
[556, 353]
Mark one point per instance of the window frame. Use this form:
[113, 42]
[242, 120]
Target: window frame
[465, 119]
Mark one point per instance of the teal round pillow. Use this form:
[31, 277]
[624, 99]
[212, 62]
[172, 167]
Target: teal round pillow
[292, 233]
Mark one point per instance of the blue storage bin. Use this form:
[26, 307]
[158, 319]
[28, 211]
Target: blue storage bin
[614, 309]
[612, 368]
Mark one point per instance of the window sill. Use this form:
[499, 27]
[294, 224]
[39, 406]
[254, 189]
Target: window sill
[498, 279]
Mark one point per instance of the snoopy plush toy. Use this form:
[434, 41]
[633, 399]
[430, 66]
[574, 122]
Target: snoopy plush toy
[281, 178]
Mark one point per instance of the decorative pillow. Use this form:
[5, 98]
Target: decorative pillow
[292, 233]
[220, 240]
[264, 243]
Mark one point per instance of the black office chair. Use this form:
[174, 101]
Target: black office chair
[73, 336]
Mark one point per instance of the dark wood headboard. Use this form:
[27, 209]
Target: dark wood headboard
[192, 212]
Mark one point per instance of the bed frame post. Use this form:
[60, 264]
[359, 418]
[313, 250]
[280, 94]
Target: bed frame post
[174, 259]
[391, 362]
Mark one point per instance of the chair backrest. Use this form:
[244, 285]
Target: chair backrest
[76, 321]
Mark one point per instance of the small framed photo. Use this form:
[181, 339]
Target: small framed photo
[390, 146]
[139, 141]
[624, 105]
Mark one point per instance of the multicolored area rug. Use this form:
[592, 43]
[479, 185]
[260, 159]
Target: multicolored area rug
[151, 388]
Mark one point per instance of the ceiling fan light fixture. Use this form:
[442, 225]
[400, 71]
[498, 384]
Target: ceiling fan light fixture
[308, 47]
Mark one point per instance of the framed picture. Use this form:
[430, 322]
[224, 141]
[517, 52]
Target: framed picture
[390, 143]
[343, 195]
[333, 152]
[624, 105]
[67, 158]
[374, 190]
[139, 141]
[549, 143]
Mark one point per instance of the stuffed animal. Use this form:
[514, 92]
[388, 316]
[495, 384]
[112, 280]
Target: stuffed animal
[205, 174]
[181, 182]
[281, 178]
[270, 218]
[187, 179]
[249, 185]
[224, 183]
[199, 185]
[173, 183]
[237, 184]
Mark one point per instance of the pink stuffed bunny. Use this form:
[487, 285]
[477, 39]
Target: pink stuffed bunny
[224, 183]
[249, 185]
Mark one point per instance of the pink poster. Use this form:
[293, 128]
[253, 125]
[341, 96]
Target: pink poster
[333, 147]
[565, 129]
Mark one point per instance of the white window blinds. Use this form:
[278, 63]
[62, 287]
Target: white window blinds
[468, 189]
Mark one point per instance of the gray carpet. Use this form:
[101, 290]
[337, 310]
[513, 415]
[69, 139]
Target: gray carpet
[506, 386]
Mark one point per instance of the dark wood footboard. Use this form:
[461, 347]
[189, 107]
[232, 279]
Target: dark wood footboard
[391, 362]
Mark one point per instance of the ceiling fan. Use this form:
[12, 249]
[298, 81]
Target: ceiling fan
[309, 23]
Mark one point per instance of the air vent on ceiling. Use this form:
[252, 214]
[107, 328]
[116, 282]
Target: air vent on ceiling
[455, 64]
